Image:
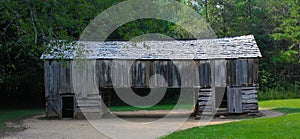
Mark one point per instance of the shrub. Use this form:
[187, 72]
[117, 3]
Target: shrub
[283, 91]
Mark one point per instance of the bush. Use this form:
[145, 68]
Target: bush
[283, 91]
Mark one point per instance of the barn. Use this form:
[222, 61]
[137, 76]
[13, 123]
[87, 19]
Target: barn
[220, 72]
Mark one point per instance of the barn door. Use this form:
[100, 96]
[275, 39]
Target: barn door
[234, 100]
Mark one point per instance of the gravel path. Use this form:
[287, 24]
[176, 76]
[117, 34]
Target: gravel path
[138, 124]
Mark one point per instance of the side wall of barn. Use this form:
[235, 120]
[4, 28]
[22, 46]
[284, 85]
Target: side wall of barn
[234, 85]
[71, 87]
[235, 79]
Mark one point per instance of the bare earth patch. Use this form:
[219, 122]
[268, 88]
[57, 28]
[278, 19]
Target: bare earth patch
[38, 127]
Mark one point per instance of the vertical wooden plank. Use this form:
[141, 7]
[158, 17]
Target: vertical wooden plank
[99, 73]
[157, 71]
[107, 72]
[166, 68]
[197, 76]
[239, 73]
[180, 67]
[126, 71]
[128, 80]
[134, 74]
[250, 72]
[148, 70]
[201, 73]
[234, 100]
[138, 73]
[191, 73]
[233, 72]
[205, 73]
[143, 73]
[122, 73]
[229, 72]
[255, 71]
[84, 79]
[244, 71]
[220, 73]
[176, 81]
[152, 72]
[209, 73]
[184, 74]
[170, 83]
[117, 73]
[114, 73]
[211, 79]
[174, 75]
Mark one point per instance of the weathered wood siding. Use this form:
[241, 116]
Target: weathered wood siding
[157, 73]
[205, 101]
[242, 99]
[249, 99]
[85, 78]
[242, 72]
[205, 77]
[57, 81]
[68, 77]
[220, 73]
[176, 73]
[234, 99]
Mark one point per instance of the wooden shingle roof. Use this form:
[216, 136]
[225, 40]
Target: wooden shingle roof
[236, 47]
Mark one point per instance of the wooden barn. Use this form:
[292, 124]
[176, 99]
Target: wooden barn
[79, 77]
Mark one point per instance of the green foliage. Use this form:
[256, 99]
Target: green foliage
[288, 56]
[288, 32]
[278, 127]
[284, 91]
[27, 27]
[146, 26]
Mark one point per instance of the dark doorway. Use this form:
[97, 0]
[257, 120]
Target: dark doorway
[67, 106]
[221, 97]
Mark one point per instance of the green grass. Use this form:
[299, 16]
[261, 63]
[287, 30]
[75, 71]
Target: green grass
[286, 126]
[155, 107]
[16, 114]
[286, 105]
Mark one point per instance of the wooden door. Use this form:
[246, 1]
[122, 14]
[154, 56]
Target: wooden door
[234, 100]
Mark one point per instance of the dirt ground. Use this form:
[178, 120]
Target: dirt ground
[137, 124]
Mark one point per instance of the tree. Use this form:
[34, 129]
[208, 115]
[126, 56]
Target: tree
[288, 32]
[26, 28]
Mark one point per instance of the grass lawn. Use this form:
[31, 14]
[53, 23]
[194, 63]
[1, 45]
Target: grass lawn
[7, 115]
[287, 126]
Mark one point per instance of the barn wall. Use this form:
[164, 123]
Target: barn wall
[139, 73]
[55, 83]
[242, 72]
[84, 80]
[235, 77]
[76, 78]
[156, 73]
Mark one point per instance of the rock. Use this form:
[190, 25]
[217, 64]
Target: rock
[222, 117]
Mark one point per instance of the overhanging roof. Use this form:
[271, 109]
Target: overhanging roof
[236, 47]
